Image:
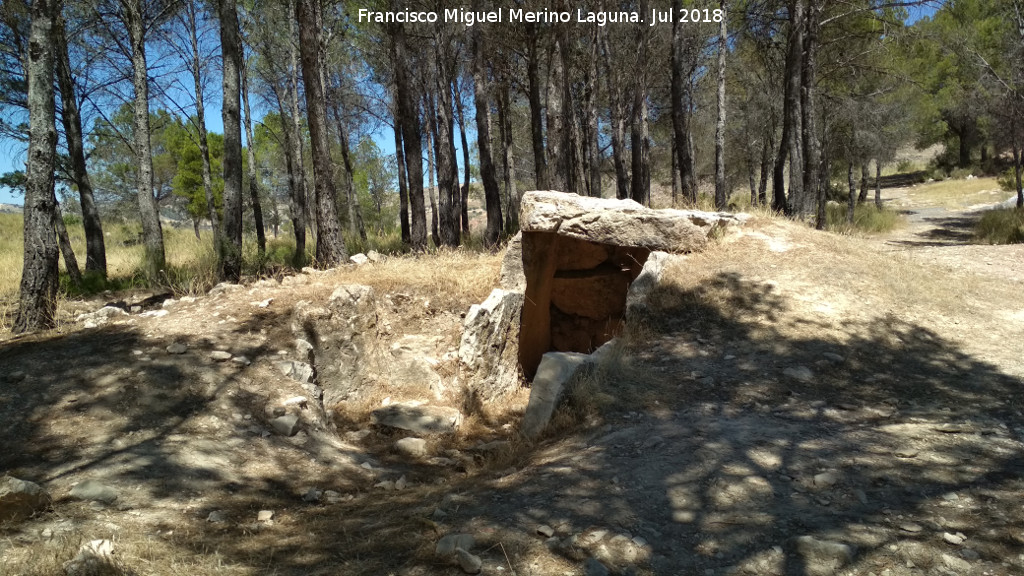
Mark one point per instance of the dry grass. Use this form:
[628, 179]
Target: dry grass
[956, 193]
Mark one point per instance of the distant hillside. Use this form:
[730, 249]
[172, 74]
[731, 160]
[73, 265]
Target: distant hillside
[10, 208]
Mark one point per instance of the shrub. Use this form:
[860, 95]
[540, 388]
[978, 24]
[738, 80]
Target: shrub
[866, 218]
[1004, 226]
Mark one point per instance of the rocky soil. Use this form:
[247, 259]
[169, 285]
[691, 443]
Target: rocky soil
[791, 403]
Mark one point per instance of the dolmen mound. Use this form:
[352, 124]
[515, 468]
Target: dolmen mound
[569, 282]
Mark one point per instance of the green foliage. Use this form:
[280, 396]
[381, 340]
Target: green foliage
[1004, 226]
[866, 218]
[1007, 181]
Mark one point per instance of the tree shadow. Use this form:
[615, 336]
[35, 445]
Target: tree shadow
[705, 455]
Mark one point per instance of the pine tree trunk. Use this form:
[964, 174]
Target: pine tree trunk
[508, 160]
[852, 200]
[492, 196]
[412, 140]
[721, 193]
[808, 111]
[254, 191]
[555, 121]
[403, 187]
[464, 196]
[297, 196]
[793, 96]
[355, 212]
[204, 146]
[231, 51]
[680, 91]
[298, 141]
[767, 147]
[536, 108]
[640, 186]
[618, 126]
[435, 234]
[95, 248]
[862, 197]
[593, 130]
[70, 261]
[878, 184]
[330, 244]
[37, 301]
[152, 233]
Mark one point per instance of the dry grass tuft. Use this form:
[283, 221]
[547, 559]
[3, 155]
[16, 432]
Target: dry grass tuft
[955, 193]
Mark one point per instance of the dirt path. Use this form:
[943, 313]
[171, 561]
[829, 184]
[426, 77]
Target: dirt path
[943, 237]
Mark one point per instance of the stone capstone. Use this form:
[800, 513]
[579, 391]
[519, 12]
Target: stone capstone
[418, 418]
[344, 335]
[19, 499]
[573, 271]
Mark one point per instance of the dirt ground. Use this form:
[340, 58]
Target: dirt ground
[791, 402]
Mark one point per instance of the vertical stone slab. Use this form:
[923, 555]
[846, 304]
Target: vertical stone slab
[535, 332]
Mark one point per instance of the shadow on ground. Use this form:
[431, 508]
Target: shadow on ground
[703, 448]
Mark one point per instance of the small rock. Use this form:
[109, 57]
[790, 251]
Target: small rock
[593, 567]
[299, 401]
[955, 563]
[833, 357]
[970, 554]
[495, 446]
[217, 516]
[298, 371]
[385, 485]
[546, 531]
[262, 303]
[437, 515]
[241, 360]
[177, 348]
[415, 447]
[911, 527]
[826, 479]
[469, 563]
[906, 453]
[220, 355]
[374, 256]
[154, 313]
[862, 497]
[822, 556]
[94, 557]
[265, 516]
[312, 495]
[94, 491]
[954, 539]
[19, 499]
[287, 425]
[801, 373]
[401, 483]
[359, 259]
[447, 545]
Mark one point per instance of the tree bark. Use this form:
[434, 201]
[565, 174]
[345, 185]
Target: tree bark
[231, 52]
[95, 248]
[536, 108]
[593, 131]
[464, 198]
[412, 140]
[556, 121]
[640, 189]
[299, 140]
[492, 196]
[70, 261]
[297, 194]
[37, 301]
[767, 147]
[852, 200]
[330, 244]
[508, 160]
[152, 232]
[204, 146]
[355, 212]
[862, 197]
[721, 193]
[254, 191]
[435, 234]
[878, 184]
[680, 92]
[813, 195]
[792, 129]
[403, 187]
